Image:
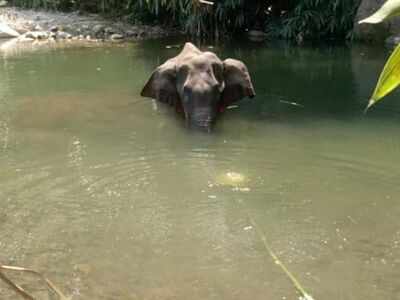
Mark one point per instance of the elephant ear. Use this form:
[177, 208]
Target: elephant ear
[162, 83]
[237, 82]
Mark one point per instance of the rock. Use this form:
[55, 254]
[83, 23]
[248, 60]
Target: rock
[98, 28]
[29, 25]
[98, 31]
[392, 41]
[54, 29]
[45, 25]
[63, 35]
[24, 39]
[37, 35]
[131, 33]
[374, 32]
[256, 35]
[109, 30]
[116, 36]
[7, 32]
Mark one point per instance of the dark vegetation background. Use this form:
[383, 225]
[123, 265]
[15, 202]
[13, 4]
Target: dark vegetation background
[288, 19]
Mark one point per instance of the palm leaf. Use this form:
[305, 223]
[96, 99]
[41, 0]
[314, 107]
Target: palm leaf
[389, 78]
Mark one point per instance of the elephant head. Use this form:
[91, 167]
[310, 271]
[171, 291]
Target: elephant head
[199, 84]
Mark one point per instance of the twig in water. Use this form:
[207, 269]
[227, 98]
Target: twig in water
[15, 287]
[296, 283]
[291, 103]
[20, 290]
[173, 46]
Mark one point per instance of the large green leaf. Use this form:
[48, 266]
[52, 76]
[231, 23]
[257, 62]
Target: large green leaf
[391, 8]
[389, 78]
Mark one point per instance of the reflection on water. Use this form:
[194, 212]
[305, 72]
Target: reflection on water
[113, 198]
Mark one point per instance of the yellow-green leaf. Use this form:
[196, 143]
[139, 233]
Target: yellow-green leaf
[391, 8]
[389, 78]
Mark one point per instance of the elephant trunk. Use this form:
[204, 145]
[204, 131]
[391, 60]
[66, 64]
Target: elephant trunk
[201, 118]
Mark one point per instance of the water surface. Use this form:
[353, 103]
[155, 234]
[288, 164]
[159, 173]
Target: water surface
[113, 198]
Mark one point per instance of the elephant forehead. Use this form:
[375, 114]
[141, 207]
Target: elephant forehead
[202, 60]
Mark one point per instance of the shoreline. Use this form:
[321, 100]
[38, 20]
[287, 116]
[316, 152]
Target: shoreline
[41, 25]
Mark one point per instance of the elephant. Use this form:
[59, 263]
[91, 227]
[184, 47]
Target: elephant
[199, 85]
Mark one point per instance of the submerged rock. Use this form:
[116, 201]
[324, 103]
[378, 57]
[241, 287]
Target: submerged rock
[54, 28]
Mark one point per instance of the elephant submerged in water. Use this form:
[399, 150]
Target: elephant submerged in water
[199, 85]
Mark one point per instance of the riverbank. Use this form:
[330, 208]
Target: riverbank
[49, 25]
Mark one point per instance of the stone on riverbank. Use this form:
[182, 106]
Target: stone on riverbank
[116, 36]
[39, 25]
[37, 35]
[6, 31]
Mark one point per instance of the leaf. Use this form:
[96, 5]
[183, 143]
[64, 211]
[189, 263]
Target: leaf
[391, 8]
[389, 78]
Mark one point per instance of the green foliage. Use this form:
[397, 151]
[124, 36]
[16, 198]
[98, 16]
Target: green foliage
[196, 17]
[289, 19]
[390, 75]
[319, 19]
[389, 78]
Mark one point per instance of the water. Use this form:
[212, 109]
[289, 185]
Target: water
[113, 198]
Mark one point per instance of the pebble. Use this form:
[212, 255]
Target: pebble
[53, 28]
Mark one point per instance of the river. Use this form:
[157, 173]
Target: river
[110, 196]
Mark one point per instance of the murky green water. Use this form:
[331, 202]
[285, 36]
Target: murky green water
[113, 198]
